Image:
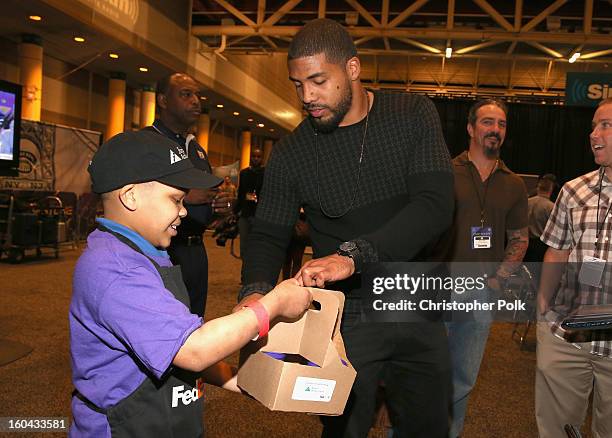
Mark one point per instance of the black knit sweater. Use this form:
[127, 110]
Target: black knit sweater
[404, 199]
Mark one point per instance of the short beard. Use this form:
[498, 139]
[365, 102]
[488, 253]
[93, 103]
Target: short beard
[492, 152]
[337, 114]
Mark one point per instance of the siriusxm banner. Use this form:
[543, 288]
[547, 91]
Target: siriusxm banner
[587, 89]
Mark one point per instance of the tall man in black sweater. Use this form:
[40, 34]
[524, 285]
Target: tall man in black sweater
[373, 175]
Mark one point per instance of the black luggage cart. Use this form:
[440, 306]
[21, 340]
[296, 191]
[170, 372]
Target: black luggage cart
[33, 227]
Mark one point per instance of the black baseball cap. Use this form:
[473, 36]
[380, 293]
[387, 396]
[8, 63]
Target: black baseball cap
[142, 156]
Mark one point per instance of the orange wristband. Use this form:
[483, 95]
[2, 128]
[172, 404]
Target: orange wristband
[263, 319]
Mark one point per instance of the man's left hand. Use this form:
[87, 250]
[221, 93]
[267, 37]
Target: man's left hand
[200, 196]
[223, 204]
[328, 269]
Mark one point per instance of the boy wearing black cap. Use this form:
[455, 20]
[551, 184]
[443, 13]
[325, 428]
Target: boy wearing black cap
[137, 352]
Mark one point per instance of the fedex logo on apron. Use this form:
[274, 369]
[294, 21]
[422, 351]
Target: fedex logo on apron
[187, 396]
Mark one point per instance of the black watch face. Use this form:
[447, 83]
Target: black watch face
[348, 246]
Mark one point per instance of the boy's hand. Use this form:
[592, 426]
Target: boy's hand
[287, 300]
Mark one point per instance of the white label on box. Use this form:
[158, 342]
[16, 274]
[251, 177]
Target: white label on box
[313, 389]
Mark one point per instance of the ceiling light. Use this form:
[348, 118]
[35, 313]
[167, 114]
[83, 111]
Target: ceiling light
[219, 105]
[271, 129]
[35, 17]
[250, 119]
[203, 97]
[449, 52]
[79, 39]
[574, 57]
[113, 55]
[236, 113]
[143, 69]
[260, 125]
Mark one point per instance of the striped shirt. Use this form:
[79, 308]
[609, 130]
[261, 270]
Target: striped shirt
[573, 225]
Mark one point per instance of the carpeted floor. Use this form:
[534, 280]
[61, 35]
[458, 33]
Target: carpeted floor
[34, 302]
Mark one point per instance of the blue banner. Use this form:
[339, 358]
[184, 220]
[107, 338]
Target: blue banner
[587, 89]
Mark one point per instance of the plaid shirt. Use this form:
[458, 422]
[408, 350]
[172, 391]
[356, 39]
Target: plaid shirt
[573, 225]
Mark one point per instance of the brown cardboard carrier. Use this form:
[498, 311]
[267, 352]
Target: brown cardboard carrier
[290, 385]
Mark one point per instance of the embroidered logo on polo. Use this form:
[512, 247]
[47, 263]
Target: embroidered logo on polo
[187, 396]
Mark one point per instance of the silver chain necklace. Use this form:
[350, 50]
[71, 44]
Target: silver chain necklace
[361, 155]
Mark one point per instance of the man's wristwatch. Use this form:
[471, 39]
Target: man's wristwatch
[350, 249]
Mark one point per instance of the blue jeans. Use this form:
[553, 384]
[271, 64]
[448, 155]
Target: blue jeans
[466, 343]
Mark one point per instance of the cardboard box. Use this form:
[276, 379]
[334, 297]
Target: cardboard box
[301, 366]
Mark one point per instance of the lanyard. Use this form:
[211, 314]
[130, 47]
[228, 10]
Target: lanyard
[599, 226]
[482, 202]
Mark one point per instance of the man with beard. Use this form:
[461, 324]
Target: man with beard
[490, 206]
[575, 366]
[373, 175]
[179, 107]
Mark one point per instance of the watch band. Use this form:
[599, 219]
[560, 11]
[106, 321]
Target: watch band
[351, 250]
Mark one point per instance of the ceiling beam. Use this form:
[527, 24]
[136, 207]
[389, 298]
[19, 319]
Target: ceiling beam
[496, 16]
[450, 15]
[545, 49]
[576, 49]
[406, 52]
[363, 12]
[363, 40]
[547, 75]
[439, 34]
[384, 14]
[481, 91]
[407, 12]
[235, 12]
[518, 15]
[238, 40]
[511, 48]
[596, 54]
[469, 49]
[281, 12]
[322, 7]
[268, 40]
[588, 16]
[542, 15]
[261, 11]
[419, 44]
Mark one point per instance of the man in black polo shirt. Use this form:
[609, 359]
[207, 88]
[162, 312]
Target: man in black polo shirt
[373, 175]
[178, 103]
